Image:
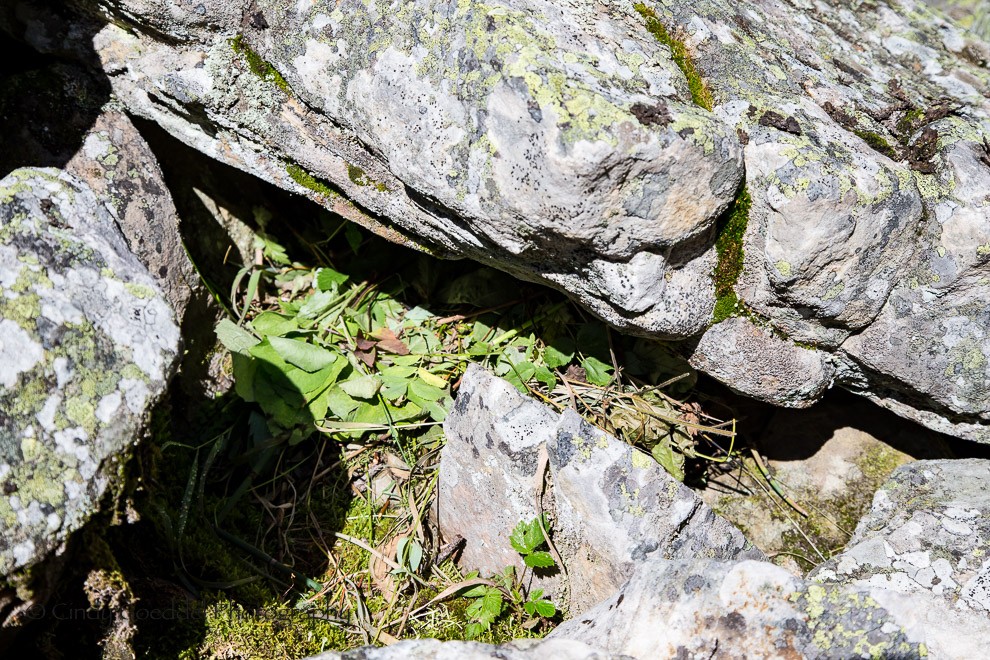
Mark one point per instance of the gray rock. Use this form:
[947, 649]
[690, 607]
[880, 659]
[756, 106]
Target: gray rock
[87, 344]
[487, 481]
[612, 507]
[709, 609]
[617, 508]
[751, 359]
[116, 163]
[928, 530]
[431, 649]
[559, 142]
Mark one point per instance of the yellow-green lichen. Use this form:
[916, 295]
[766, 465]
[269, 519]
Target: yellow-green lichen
[729, 247]
[258, 65]
[700, 93]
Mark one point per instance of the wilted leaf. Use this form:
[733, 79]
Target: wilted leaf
[389, 343]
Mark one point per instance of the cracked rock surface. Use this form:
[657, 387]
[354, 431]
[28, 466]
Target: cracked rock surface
[928, 530]
[564, 143]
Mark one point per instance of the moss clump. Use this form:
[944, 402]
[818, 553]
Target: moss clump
[911, 120]
[729, 247]
[258, 65]
[876, 142]
[307, 180]
[700, 94]
[360, 178]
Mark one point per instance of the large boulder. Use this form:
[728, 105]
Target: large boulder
[88, 342]
[929, 531]
[594, 146]
[431, 649]
[710, 609]
[612, 506]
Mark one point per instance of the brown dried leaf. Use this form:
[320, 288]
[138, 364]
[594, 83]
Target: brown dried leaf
[381, 573]
[388, 342]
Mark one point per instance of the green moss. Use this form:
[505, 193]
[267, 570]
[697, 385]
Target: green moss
[876, 142]
[258, 65]
[700, 94]
[360, 178]
[910, 121]
[729, 247]
[307, 180]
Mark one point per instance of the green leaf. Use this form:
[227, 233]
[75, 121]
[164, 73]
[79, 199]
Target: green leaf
[235, 338]
[354, 237]
[597, 372]
[362, 387]
[339, 403]
[424, 391]
[317, 304]
[546, 377]
[244, 370]
[527, 536]
[559, 354]
[520, 374]
[302, 354]
[272, 323]
[539, 559]
[312, 383]
[476, 592]
[544, 608]
[672, 461]
[327, 279]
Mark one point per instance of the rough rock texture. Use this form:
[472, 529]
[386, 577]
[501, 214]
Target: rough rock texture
[928, 530]
[760, 364]
[613, 507]
[617, 508]
[115, 162]
[87, 343]
[431, 649]
[488, 480]
[709, 609]
[564, 143]
[973, 15]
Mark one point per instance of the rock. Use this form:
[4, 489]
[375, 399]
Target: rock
[431, 649]
[970, 14]
[488, 481]
[612, 507]
[617, 508]
[752, 360]
[710, 609]
[61, 116]
[87, 344]
[565, 144]
[119, 167]
[928, 530]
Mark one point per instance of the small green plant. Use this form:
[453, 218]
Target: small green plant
[505, 593]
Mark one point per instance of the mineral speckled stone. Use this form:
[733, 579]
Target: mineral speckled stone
[710, 609]
[564, 143]
[87, 343]
[431, 649]
[612, 507]
[617, 508]
[928, 530]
